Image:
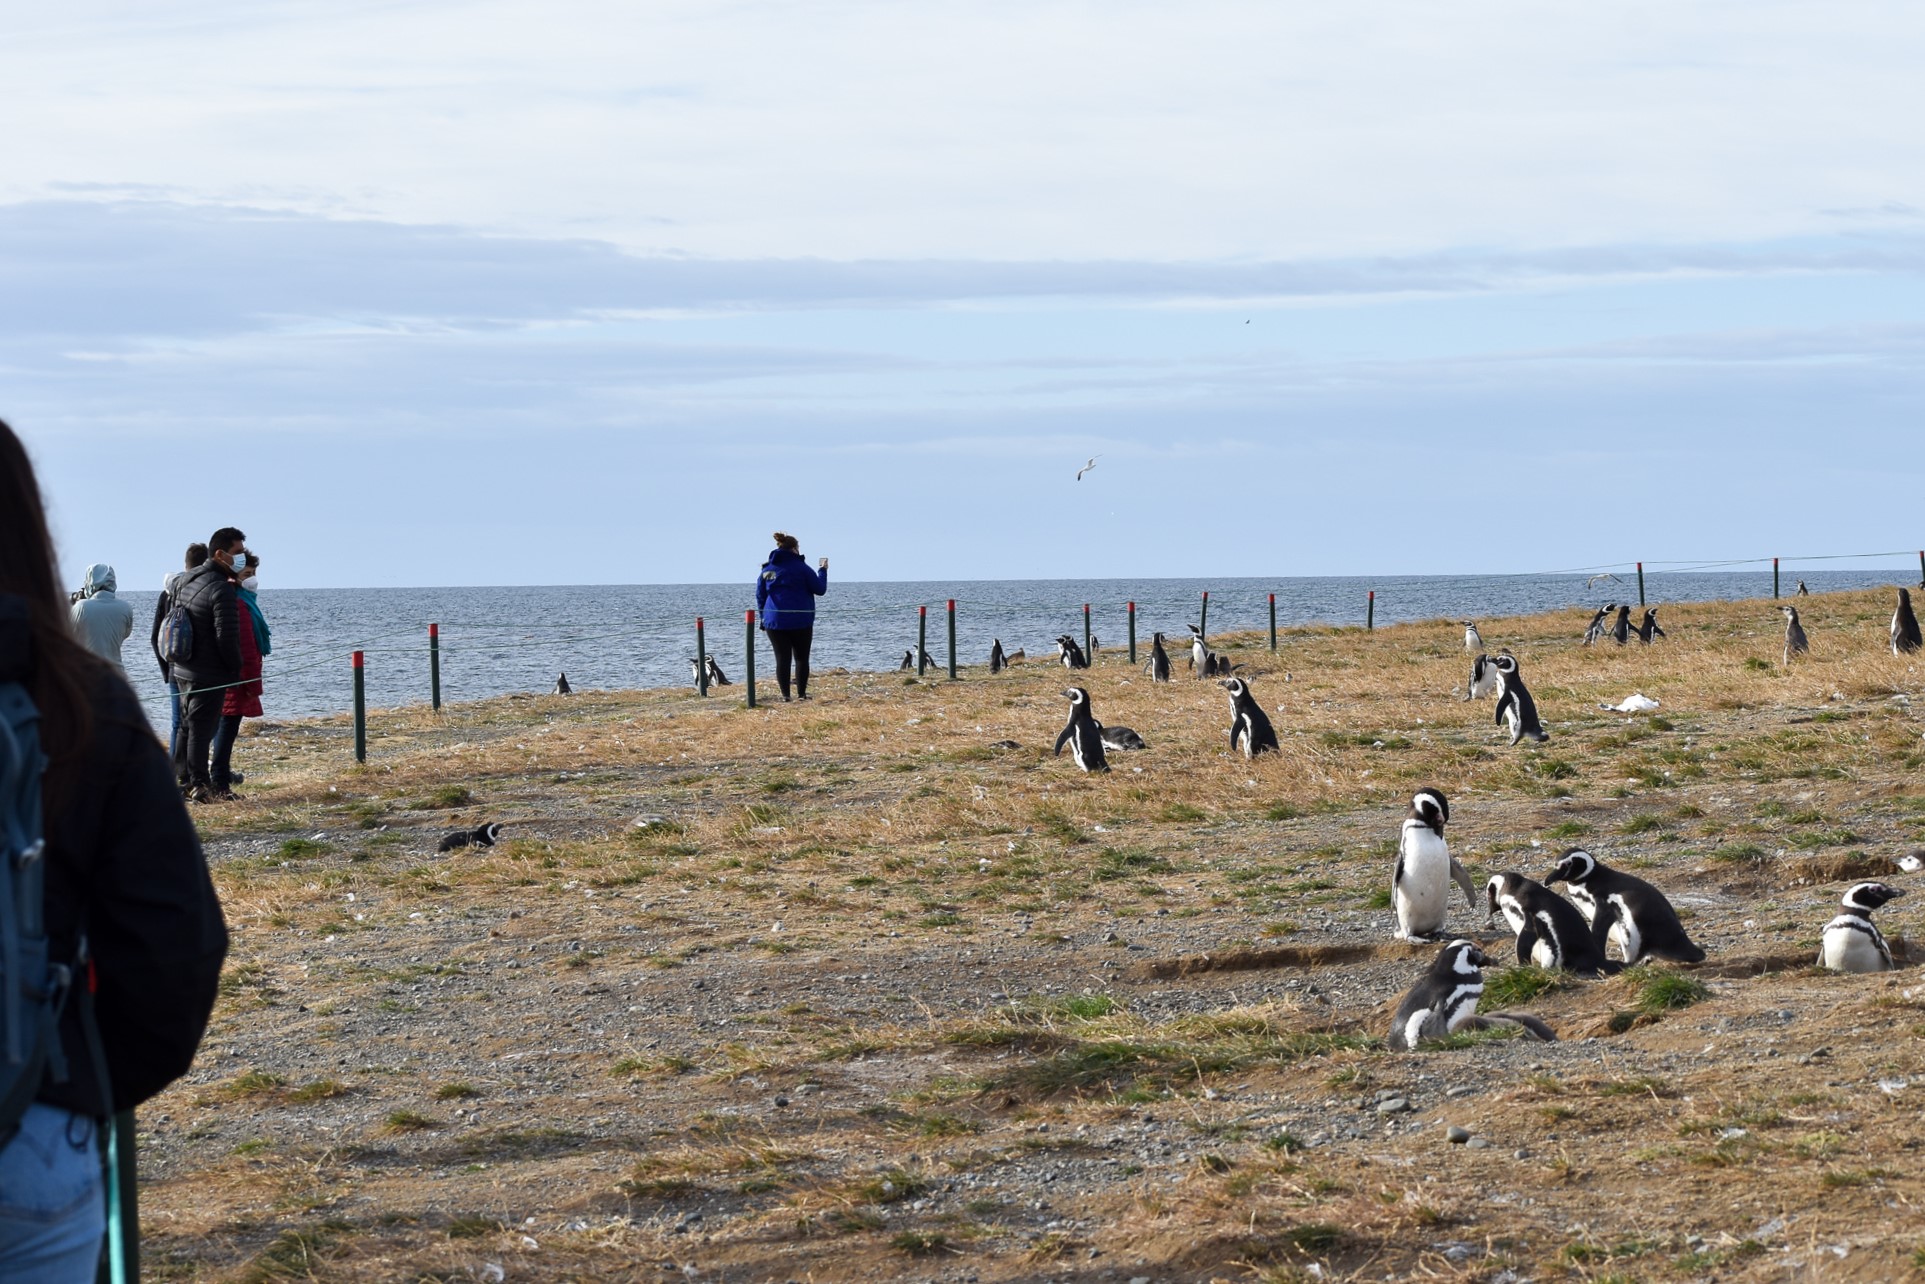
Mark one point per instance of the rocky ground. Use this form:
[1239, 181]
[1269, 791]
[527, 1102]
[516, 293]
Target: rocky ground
[839, 990]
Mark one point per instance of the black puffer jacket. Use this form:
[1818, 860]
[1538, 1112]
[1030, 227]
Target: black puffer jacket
[208, 595]
[125, 865]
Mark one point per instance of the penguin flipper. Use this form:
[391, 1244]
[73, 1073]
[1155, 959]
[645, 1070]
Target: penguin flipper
[1461, 876]
[1526, 944]
[1505, 703]
[1062, 739]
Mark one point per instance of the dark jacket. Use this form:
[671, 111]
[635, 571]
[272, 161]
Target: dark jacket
[208, 593]
[786, 591]
[125, 865]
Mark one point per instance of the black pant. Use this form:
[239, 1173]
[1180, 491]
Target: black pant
[791, 644]
[200, 717]
[223, 764]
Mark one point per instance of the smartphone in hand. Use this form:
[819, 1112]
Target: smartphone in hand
[823, 564]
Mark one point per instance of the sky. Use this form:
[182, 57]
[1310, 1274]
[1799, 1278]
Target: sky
[498, 293]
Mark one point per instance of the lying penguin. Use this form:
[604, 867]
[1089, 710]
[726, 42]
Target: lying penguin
[480, 836]
[1852, 942]
[1444, 1000]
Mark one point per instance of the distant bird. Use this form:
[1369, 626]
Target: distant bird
[562, 687]
[1592, 582]
[1086, 467]
[1596, 629]
[1649, 629]
[1621, 627]
[1473, 640]
[997, 661]
[1158, 664]
[717, 678]
[480, 836]
[908, 662]
[1802, 590]
[1796, 643]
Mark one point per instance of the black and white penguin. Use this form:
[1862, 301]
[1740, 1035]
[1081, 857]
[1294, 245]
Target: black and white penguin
[717, 678]
[1648, 627]
[1624, 910]
[1083, 734]
[1248, 721]
[1550, 931]
[1159, 665]
[1095, 645]
[997, 661]
[1905, 637]
[1120, 738]
[1514, 705]
[1070, 654]
[1621, 627]
[1796, 643]
[480, 836]
[1802, 590]
[1473, 640]
[1596, 629]
[1484, 679]
[1445, 1000]
[908, 661]
[1851, 942]
[695, 671]
[1420, 884]
[562, 687]
[1202, 658]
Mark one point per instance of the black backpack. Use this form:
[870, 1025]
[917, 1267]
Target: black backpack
[177, 632]
[33, 989]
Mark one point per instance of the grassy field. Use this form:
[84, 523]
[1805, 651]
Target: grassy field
[841, 990]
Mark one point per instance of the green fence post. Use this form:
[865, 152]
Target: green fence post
[701, 658]
[1370, 610]
[748, 652]
[1132, 634]
[1203, 625]
[1640, 583]
[360, 712]
[434, 665]
[1086, 632]
[1273, 621]
[1774, 577]
[922, 639]
[952, 639]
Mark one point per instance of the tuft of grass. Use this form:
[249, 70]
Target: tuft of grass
[919, 1243]
[1515, 985]
[1741, 854]
[446, 797]
[255, 1083]
[890, 1186]
[1658, 991]
[473, 1227]
[1314, 1237]
[303, 849]
[410, 1121]
[456, 1091]
[318, 1090]
[1181, 812]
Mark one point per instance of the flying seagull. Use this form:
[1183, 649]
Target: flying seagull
[1086, 467]
[1605, 576]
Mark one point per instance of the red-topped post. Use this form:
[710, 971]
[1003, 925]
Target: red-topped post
[434, 666]
[748, 644]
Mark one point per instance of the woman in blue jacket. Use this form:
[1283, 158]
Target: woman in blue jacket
[785, 595]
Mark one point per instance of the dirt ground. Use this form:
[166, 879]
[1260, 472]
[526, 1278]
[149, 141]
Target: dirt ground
[842, 990]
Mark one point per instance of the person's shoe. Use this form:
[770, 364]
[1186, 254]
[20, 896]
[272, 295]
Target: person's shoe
[226, 795]
[199, 794]
[238, 778]
[802, 695]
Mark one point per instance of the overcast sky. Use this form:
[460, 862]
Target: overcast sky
[606, 292]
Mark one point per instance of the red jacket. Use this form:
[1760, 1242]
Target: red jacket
[245, 700]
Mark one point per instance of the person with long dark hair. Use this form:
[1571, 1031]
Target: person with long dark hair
[785, 594]
[129, 907]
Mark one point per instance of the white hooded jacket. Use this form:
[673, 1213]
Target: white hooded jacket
[101, 620]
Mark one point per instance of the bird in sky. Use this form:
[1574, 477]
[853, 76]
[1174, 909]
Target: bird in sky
[1086, 467]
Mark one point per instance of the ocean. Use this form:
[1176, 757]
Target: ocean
[495, 641]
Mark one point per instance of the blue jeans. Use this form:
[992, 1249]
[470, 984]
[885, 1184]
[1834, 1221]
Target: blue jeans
[53, 1209]
[222, 770]
[173, 732]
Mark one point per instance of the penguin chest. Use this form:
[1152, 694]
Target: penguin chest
[1423, 892]
[1853, 945]
[1625, 932]
[1547, 951]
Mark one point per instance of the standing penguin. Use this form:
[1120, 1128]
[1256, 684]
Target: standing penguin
[908, 661]
[717, 678]
[1159, 665]
[1648, 628]
[1202, 658]
[1515, 705]
[1473, 640]
[1248, 721]
[1083, 734]
[1796, 643]
[1905, 638]
[997, 662]
[1621, 628]
[1070, 654]
[1445, 999]
[1550, 933]
[1596, 628]
[562, 687]
[1851, 942]
[1802, 590]
[1420, 884]
[1624, 910]
[1484, 679]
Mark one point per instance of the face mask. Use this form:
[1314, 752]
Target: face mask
[240, 561]
[251, 583]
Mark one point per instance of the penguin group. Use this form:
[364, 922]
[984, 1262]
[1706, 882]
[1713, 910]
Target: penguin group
[709, 665]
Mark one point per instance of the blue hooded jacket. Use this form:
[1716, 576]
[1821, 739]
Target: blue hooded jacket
[786, 591]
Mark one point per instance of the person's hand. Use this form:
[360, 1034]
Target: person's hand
[823, 564]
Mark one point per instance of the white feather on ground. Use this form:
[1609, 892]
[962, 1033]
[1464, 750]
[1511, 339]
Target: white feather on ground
[1632, 704]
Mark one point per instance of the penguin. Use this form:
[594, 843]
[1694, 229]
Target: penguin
[1220, 664]
[1083, 734]
[908, 661]
[480, 836]
[1202, 658]
[1648, 628]
[1420, 883]
[1515, 705]
[1071, 655]
[1445, 998]
[695, 671]
[997, 661]
[1802, 590]
[1159, 665]
[1550, 932]
[1851, 942]
[717, 678]
[562, 687]
[1596, 629]
[1120, 738]
[1621, 629]
[1796, 643]
[1905, 638]
[1624, 910]
[1248, 721]
[1473, 640]
[1484, 679]
[1095, 645]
